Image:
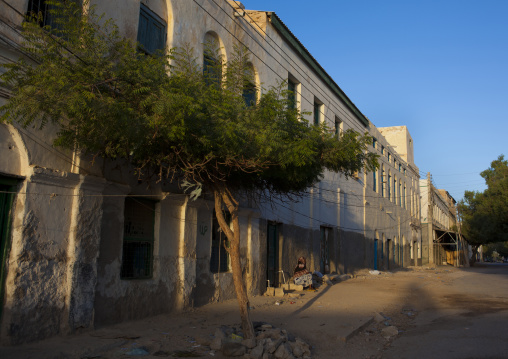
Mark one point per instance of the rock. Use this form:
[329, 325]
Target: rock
[327, 280]
[297, 349]
[216, 344]
[249, 343]
[304, 346]
[270, 333]
[219, 333]
[283, 352]
[379, 318]
[206, 341]
[390, 331]
[343, 277]
[142, 351]
[219, 338]
[266, 326]
[275, 345]
[257, 352]
[233, 349]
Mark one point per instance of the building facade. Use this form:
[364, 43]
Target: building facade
[85, 245]
[442, 242]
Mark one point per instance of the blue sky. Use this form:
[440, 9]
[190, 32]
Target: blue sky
[438, 67]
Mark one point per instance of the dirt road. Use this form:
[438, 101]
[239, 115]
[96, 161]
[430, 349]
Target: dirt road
[438, 313]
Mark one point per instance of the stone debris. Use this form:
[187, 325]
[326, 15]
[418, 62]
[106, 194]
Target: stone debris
[270, 343]
[389, 332]
[326, 280]
[233, 349]
[138, 352]
[378, 318]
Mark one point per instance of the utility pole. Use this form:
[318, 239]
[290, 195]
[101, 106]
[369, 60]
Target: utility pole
[464, 251]
[430, 219]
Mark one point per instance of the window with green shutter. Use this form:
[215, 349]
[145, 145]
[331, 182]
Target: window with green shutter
[151, 31]
[291, 94]
[318, 108]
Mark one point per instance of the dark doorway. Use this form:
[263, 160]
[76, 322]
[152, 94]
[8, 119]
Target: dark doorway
[375, 254]
[326, 234]
[388, 243]
[272, 265]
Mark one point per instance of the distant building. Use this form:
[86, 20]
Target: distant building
[442, 243]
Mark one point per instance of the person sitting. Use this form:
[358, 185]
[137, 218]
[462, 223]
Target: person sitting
[301, 275]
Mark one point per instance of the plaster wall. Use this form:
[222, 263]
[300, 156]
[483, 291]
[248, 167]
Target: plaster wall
[400, 139]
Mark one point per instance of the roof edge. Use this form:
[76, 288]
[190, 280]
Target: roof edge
[291, 39]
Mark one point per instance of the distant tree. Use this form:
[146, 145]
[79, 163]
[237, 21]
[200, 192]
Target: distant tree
[499, 247]
[173, 119]
[485, 214]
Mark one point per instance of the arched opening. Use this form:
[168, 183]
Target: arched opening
[214, 58]
[250, 92]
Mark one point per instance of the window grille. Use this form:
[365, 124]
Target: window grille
[137, 258]
[38, 8]
[249, 94]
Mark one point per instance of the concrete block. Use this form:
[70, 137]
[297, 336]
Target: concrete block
[279, 292]
[291, 286]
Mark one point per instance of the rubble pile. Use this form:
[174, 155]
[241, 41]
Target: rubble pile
[270, 343]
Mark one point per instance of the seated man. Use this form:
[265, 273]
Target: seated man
[302, 275]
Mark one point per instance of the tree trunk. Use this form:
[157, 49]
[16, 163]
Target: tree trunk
[474, 251]
[234, 253]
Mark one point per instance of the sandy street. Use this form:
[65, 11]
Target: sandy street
[441, 312]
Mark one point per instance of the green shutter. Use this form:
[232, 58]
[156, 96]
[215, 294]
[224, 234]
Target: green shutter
[151, 31]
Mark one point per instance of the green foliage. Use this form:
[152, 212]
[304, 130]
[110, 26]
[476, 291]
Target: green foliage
[485, 214]
[500, 247]
[169, 116]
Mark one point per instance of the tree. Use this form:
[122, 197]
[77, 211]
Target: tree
[174, 120]
[485, 214]
[500, 247]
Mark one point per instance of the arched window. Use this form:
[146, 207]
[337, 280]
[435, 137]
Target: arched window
[250, 91]
[212, 59]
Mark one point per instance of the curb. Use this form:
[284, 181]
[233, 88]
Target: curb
[357, 330]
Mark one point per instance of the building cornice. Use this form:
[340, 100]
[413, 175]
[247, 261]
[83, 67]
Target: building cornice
[305, 55]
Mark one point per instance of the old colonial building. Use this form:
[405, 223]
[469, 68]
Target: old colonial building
[85, 245]
[442, 243]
